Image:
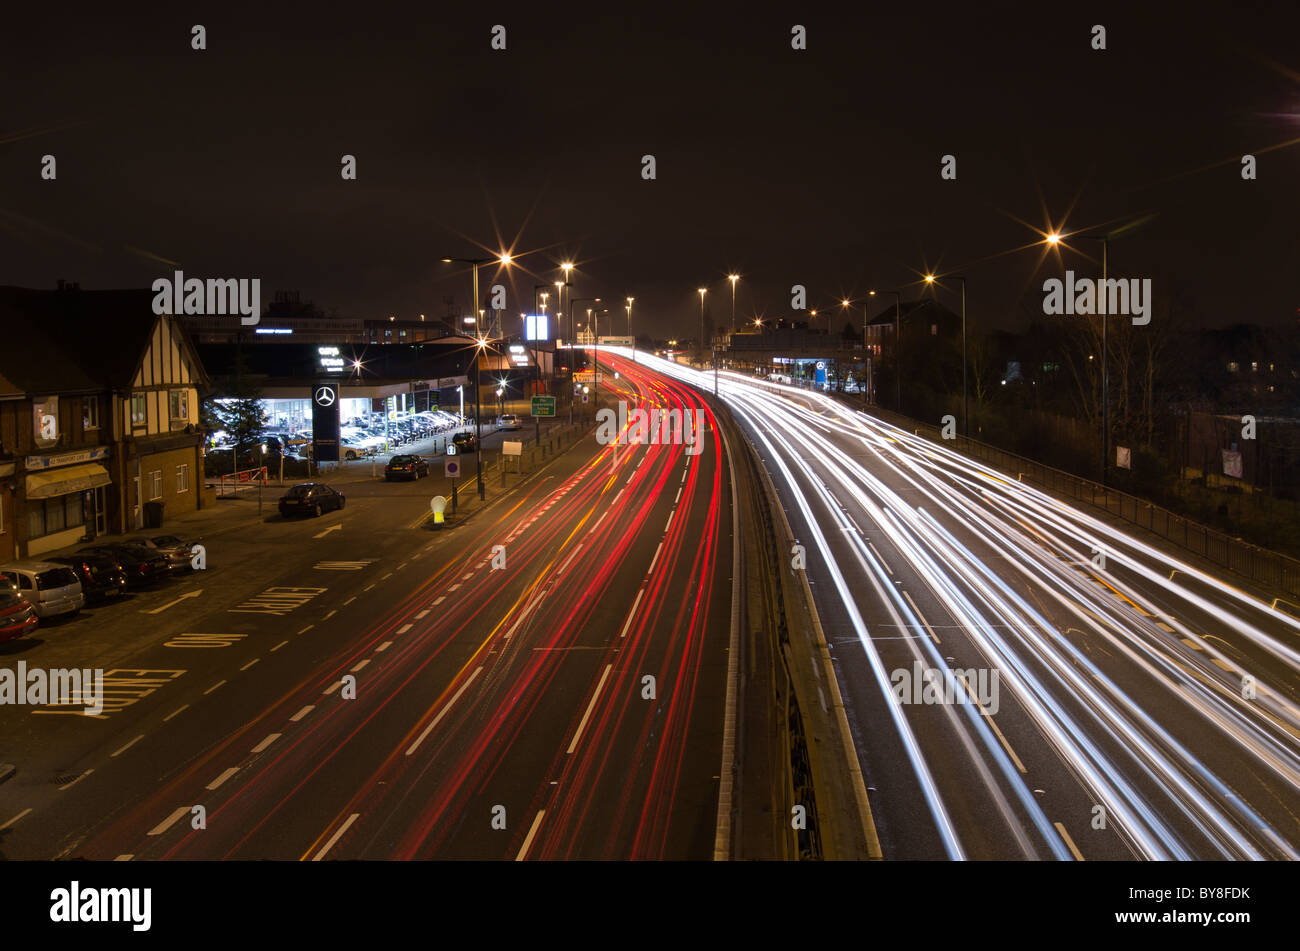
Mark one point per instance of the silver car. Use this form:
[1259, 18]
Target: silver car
[51, 589]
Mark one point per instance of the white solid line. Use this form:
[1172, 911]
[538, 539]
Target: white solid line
[278, 646]
[335, 837]
[302, 713]
[441, 598]
[266, 742]
[222, 778]
[15, 819]
[360, 664]
[403, 629]
[249, 664]
[523, 851]
[383, 647]
[422, 615]
[921, 616]
[174, 712]
[591, 706]
[213, 687]
[631, 615]
[167, 823]
[128, 746]
[443, 712]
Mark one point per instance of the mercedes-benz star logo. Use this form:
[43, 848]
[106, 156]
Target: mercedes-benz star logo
[325, 395]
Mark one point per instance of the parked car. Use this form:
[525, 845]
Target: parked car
[142, 566]
[101, 577]
[464, 442]
[52, 589]
[179, 553]
[405, 467]
[308, 498]
[508, 421]
[17, 616]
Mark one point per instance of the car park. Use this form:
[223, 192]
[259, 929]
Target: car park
[311, 498]
[405, 467]
[52, 589]
[101, 577]
[18, 617]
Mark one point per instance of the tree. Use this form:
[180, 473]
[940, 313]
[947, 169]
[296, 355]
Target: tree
[237, 409]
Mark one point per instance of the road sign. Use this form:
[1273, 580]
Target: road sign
[543, 405]
[589, 376]
[438, 505]
[451, 467]
[512, 449]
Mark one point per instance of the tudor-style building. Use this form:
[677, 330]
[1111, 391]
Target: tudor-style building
[99, 402]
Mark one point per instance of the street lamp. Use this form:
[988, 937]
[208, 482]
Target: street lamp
[733, 278]
[481, 345]
[702, 291]
[629, 327]
[1105, 356]
[501, 258]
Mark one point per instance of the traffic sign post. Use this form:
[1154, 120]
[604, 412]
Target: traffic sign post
[542, 406]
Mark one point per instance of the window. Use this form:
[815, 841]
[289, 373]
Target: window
[155, 485]
[90, 412]
[182, 478]
[139, 415]
[178, 403]
[47, 516]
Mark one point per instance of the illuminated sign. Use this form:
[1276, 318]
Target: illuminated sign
[536, 327]
[45, 422]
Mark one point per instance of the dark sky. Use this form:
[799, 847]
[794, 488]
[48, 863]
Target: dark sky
[818, 167]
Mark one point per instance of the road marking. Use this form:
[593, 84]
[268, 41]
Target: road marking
[523, 851]
[266, 742]
[335, 837]
[1069, 842]
[77, 780]
[632, 614]
[386, 577]
[590, 706]
[332, 528]
[307, 628]
[878, 555]
[222, 778]
[383, 647]
[468, 576]
[1192, 644]
[332, 687]
[278, 646]
[918, 613]
[125, 857]
[443, 712]
[174, 712]
[1221, 664]
[127, 747]
[123, 686]
[330, 615]
[349, 600]
[343, 565]
[1164, 627]
[359, 665]
[668, 523]
[302, 713]
[679, 494]
[441, 599]
[167, 823]
[422, 615]
[172, 604]
[278, 601]
[403, 629]
[367, 588]
[655, 558]
[213, 687]
[249, 664]
[14, 819]
[204, 640]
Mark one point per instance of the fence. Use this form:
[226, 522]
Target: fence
[243, 478]
[1267, 568]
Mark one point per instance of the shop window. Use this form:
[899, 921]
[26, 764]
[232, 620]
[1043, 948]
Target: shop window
[90, 412]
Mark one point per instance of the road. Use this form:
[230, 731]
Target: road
[1118, 702]
[545, 681]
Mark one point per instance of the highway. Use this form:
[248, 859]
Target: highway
[1117, 702]
[545, 681]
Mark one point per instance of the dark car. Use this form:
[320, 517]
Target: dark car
[310, 498]
[18, 617]
[101, 576]
[179, 553]
[141, 565]
[405, 467]
[465, 442]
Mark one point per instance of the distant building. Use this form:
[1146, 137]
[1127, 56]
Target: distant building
[99, 401]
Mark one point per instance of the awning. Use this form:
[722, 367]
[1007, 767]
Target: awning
[56, 482]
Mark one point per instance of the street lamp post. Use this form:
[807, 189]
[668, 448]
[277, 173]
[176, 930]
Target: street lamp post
[898, 349]
[702, 291]
[965, 419]
[629, 327]
[1105, 355]
[733, 278]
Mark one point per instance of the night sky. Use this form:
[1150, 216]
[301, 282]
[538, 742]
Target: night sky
[818, 167]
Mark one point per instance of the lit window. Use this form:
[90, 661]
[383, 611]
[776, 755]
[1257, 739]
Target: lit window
[182, 478]
[1254, 366]
[139, 414]
[178, 404]
[90, 412]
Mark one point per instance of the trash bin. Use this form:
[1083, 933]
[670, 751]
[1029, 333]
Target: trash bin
[153, 514]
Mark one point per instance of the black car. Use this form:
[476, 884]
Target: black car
[140, 565]
[310, 498]
[465, 442]
[101, 576]
[405, 467]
